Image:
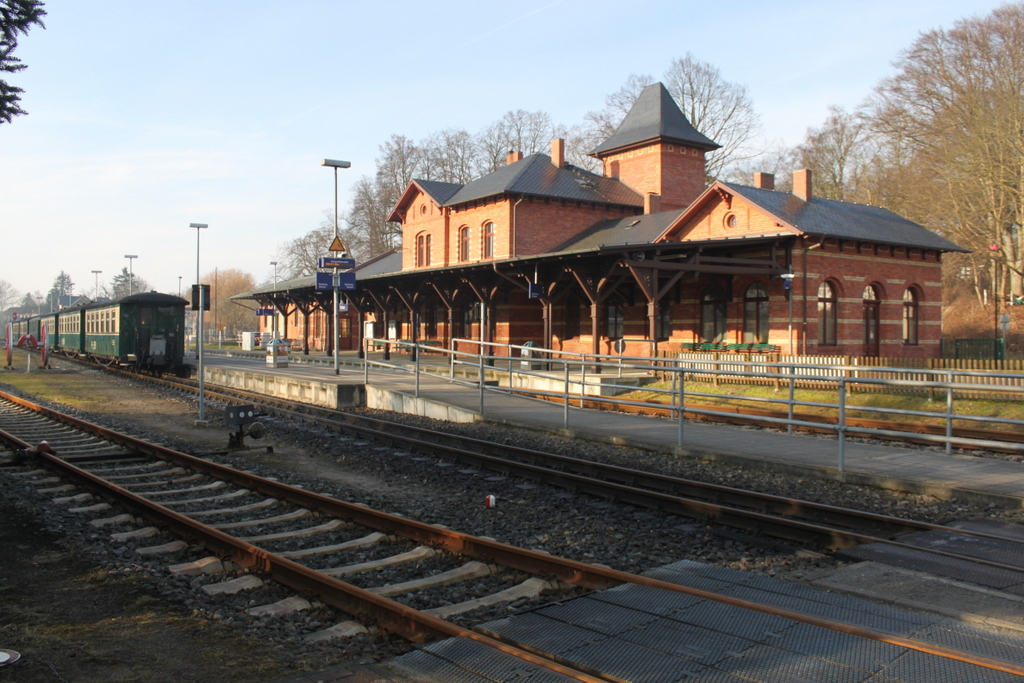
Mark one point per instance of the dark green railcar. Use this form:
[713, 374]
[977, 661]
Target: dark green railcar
[145, 331]
[71, 330]
[49, 320]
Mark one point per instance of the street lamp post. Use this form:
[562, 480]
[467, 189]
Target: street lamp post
[336, 164]
[788, 282]
[96, 293]
[274, 263]
[199, 329]
[131, 273]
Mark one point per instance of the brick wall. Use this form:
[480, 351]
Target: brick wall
[670, 170]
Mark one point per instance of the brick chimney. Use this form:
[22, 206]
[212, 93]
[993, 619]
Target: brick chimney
[558, 152]
[802, 184]
[764, 181]
[513, 157]
[652, 203]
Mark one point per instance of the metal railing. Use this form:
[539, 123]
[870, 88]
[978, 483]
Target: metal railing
[585, 377]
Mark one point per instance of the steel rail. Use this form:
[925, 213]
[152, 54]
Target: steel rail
[410, 623]
[600, 480]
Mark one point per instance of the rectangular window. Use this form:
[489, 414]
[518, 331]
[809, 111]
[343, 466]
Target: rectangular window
[572, 318]
[615, 321]
[663, 322]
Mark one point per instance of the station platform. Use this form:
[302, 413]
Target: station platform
[918, 470]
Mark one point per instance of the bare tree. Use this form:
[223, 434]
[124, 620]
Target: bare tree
[298, 257]
[226, 314]
[778, 160]
[369, 232]
[8, 295]
[517, 131]
[717, 108]
[450, 156]
[602, 123]
[835, 153]
[400, 162]
[955, 110]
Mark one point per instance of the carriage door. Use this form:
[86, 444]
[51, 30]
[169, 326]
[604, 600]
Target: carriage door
[871, 321]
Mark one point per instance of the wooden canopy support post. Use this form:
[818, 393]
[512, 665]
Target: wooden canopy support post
[383, 304]
[598, 287]
[486, 294]
[411, 302]
[447, 299]
[649, 281]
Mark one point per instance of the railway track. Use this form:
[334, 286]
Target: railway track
[815, 525]
[263, 528]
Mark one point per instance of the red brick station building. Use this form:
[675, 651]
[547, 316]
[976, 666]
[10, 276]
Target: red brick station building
[541, 251]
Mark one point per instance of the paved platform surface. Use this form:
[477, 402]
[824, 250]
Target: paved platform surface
[636, 633]
[920, 470]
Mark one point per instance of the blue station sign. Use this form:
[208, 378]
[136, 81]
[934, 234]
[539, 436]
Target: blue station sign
[343, 281]
[335, 262]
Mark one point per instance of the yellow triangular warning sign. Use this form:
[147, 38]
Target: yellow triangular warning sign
[336, 245]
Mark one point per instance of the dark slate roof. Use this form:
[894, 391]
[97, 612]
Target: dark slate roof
[643, 229]
[536, 175]
[654, 115]
[304, 282]
[846, 220]
[382, 264]
[439, 192]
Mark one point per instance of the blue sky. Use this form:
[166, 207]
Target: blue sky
[146, 116]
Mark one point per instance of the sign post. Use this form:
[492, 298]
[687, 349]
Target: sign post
[334, 262]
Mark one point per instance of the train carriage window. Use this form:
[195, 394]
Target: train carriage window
[145, 315]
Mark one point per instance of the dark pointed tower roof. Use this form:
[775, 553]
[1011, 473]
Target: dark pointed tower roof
[654, 116]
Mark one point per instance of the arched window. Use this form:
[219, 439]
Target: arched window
[828, 314]
[713, 312]
[872, 320]
[755, 314]
[422, 250]
[910, 317]
[464, 241]
[488, 240]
